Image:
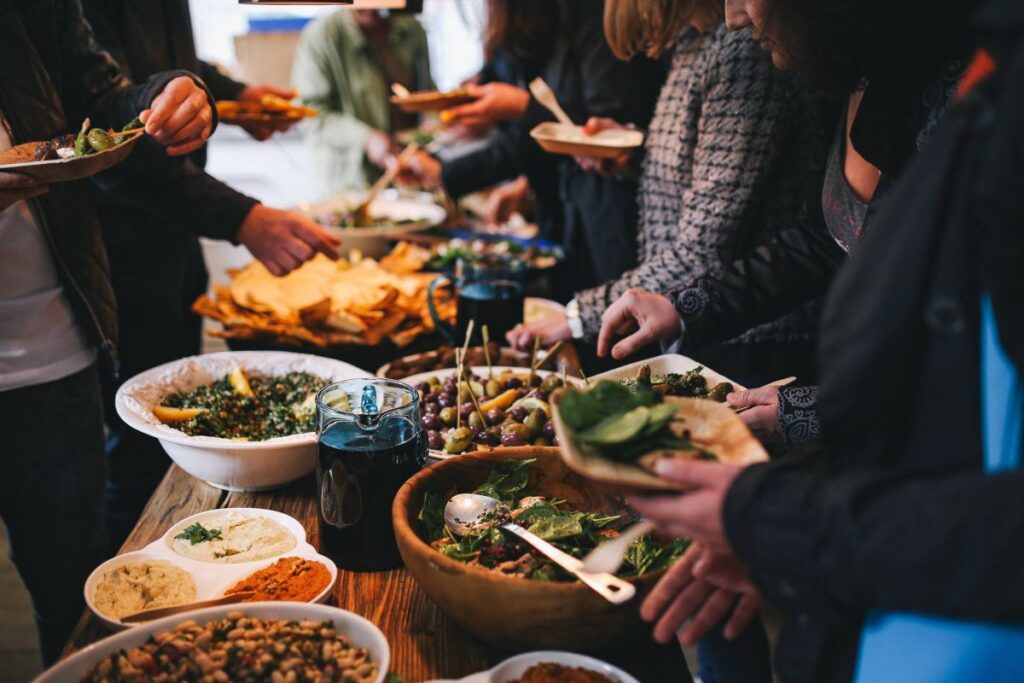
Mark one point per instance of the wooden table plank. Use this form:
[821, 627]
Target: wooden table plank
[424, 643]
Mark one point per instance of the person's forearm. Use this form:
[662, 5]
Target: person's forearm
[877, 540]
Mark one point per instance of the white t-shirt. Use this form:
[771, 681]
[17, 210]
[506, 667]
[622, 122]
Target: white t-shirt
[40, 341]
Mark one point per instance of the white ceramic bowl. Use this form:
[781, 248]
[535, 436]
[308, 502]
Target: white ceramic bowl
[211, 578]
[515, 667]
[227, 464]
[360, 632]
[392, 204]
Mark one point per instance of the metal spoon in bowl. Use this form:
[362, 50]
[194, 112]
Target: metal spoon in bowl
[472, 513]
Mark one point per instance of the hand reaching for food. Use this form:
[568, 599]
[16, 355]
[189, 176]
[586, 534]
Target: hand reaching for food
[423, 168]
[762, 412]
[379, 148]
[603, 166]
[255, 93]
[284, 240]
[641, 318]
[495, 102]
[15, 187]
[180, 118]
[506, 200]
[550, 329]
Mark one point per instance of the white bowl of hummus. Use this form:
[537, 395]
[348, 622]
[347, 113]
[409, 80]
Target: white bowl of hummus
[222, 462]
[231, 545]
[235, 535]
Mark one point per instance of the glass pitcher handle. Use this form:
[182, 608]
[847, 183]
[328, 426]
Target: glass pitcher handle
[446, 330]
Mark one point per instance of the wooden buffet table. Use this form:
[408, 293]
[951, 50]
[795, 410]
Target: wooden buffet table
[425, 644]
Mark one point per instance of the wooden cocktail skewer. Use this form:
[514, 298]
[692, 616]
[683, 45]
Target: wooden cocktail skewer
[458, 389]
[533, 357]
[469, 336]
[472, 396]
[549, 355]
[584, 376]
[487, 352]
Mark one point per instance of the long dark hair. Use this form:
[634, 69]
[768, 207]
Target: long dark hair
[527, 29]
[837, 46]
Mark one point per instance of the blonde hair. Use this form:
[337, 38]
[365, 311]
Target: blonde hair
[651, 26]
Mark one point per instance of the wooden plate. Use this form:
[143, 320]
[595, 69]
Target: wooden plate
[559, 138]
[238, 113]
[431, 100]
[21, 159]
[712, 426]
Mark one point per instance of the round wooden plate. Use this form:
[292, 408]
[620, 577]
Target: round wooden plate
[21, 159]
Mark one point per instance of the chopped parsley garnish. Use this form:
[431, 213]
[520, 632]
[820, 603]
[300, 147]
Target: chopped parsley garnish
[197, 533]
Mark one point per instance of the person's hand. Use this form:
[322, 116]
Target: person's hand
[379, 148]
[254, 93]
[763, 418]
[640, 316]
[702, 588]
[697, 513]
[422, 168]
[284, 240]
[506, 200]
[613, 166]
[180, 117]
[549, 329]
[495, 102]
[14, 187]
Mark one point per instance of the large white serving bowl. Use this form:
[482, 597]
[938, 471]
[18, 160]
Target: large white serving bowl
[420, 209]
[359, 631]
[227, 464]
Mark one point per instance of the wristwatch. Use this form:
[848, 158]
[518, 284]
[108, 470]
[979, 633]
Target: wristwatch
[572, 317]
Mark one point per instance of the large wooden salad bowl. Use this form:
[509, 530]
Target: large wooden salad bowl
[510, 612]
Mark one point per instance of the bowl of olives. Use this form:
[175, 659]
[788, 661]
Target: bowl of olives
[488, 408]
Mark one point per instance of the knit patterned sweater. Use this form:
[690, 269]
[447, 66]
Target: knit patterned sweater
[722, 168]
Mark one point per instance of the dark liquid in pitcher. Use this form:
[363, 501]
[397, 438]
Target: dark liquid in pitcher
[497, 304]
[357, 482]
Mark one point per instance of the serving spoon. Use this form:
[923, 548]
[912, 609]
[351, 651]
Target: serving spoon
[542, 91]
[158, 612]
[472, 513]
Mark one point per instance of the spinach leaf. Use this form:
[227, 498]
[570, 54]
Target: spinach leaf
[646, 555]
[507, 481]
[432, 515]
[556, 527]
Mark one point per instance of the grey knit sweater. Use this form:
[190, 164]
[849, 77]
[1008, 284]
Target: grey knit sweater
[725, 160]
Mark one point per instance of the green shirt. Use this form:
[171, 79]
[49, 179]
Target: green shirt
[336, 72]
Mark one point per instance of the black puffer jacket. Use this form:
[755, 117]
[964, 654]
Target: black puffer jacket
[896, 512]
[52, 76]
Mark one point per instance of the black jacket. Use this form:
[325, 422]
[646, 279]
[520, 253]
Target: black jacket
[52, 76]
[896, 513]
[894, 121]
[598, 213]
[147, 37]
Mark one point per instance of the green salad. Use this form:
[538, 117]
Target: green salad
[245, 408]
[576, 532]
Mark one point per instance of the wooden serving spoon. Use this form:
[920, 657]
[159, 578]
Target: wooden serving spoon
[158, 612]
[776, 383]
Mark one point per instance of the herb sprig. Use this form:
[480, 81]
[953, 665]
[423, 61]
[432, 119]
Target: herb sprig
[197, 533]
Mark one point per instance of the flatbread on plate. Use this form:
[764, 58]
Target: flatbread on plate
[711, 426]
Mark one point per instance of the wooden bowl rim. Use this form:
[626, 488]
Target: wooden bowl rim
[400, 519]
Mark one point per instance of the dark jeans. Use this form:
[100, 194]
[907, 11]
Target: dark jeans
[51, 494]
[155, 282]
